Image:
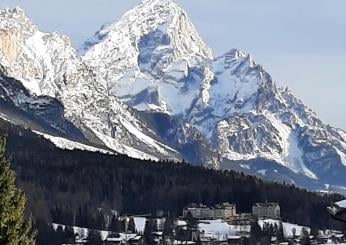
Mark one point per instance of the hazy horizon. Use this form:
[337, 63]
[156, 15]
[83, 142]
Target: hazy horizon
[301, 44]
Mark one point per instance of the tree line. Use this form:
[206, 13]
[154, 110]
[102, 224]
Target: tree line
[70, 187]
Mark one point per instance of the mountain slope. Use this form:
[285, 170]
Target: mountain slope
[47, 65]
[228, 106]
[76, 183]
[148, 86]
[146, 55]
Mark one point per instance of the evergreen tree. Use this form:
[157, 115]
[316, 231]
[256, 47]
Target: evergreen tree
[13, 227]
[150, 227]
[304, 237]
[116, 225]
[314, 232]
[99, 221]
[69, 235]
[131, 226]
[59, 236]
[267, 231]
[47, 233]
[255, 233]
[147, 232]
[280, 233]
[94, 238]
[191, 221]
[294, 232]
[168, 227]
[154, 185]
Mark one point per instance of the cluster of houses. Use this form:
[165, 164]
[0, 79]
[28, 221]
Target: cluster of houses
[330, 237]
[220, 224]
[227, 211]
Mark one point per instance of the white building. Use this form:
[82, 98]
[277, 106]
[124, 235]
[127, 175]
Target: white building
[225, 211]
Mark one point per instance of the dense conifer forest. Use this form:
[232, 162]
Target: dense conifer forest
[71, 187]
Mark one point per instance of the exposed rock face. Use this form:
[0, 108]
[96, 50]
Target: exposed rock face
[10, 43]
[227, 107]
[47, 65]
[153, 45]
[148, 86]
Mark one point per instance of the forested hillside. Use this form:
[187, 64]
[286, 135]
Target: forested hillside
[70, 187]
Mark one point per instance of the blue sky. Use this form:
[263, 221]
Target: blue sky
[302, 44]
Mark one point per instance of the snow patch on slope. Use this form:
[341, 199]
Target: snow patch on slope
[146, 139]
[66, 144]
[124, 149]
[342, 156]
[5, 117]
[341, 204]
[291, 156]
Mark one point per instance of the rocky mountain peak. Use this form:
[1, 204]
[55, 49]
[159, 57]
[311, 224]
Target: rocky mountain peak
[15, 28]
[154, 33]
[15, 20]
[225, 112]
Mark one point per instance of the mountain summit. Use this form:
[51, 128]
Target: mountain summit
[162, 24]
[148, 86]
[153, 40]
[55, 81]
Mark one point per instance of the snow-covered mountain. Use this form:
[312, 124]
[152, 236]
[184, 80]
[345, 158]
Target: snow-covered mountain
[145, 57]
[148, 86]
[46, 64]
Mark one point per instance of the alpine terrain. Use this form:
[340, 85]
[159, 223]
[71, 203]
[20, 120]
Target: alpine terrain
[148, 86]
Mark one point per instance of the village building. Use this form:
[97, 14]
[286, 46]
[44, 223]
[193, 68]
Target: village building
[221, 211]
[193, 209]
[225, 211]
[266, 210]
[199, 211]
[242, 219]
[206, 213]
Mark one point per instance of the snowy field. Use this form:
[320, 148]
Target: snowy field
[83, 233]
[341, 204]
[288, 228]
[221, 230]
[140, 224]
